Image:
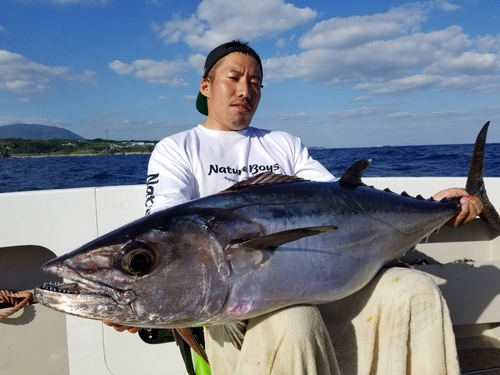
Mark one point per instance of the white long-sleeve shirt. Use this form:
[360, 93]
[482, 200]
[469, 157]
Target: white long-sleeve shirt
[201, 162]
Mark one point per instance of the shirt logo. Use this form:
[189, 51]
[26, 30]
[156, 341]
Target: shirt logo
[153, 179]
[251, 169]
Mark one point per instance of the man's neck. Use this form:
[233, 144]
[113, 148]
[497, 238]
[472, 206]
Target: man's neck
[215, 125]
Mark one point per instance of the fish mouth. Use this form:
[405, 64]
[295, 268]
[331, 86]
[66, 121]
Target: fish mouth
[85, 288]
[71, 288]
[77, 284]
[84, 301]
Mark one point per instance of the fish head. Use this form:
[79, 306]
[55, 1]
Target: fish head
[168, 275]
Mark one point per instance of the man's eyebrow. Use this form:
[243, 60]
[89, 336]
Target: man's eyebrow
[235, 71]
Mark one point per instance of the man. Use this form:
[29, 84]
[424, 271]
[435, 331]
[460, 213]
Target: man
[225, 150]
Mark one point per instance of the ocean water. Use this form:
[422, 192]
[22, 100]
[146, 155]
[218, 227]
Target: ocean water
[88, 171]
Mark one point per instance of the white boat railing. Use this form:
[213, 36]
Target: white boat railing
[37, 226]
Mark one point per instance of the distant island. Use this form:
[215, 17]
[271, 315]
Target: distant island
[33, 140]
[36, 131]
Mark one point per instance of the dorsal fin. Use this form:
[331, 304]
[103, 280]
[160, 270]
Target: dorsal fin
[475, 184]
[476, 170]
[263, 179]
[353, 175]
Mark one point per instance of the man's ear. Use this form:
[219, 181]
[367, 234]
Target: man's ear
[205, 87]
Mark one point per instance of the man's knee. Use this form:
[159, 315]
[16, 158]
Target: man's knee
[293, 323]
[405, 282]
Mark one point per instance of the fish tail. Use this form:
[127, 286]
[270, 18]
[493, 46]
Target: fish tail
[475, 182]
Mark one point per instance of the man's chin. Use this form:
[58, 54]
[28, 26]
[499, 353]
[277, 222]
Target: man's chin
[240, 122]
[238, 125]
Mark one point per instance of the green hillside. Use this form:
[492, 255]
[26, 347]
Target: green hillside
[35, 131]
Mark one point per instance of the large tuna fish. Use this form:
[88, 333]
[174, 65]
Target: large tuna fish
[266, 243]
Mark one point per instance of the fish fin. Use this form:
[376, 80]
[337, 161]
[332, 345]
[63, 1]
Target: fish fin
[177, 336]
[475, 183]
[188, 336]
[263, 179]
[352, 177]
[236, 332]
[272, 241]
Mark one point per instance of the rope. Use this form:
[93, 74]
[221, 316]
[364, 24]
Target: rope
[17, 300]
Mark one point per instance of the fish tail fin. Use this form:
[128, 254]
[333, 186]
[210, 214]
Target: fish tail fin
[475, 182]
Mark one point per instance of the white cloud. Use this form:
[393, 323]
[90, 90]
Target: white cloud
[2, 29]
[358, 30]
[153, 2]
[488, 43]
[121, 68]
[18, 74]
[197, 61]
[87, 76]
[477, 83]
[400, 115]
[163, 72]
[401, 85]
[287, 117]
[467, 63]
[162, 97]
[387, 59]
[26, 99]
[354, 113]
[280, 43]
[486, 83]
[219, 21]
[447, 114]
[363, 98]
[190, 97]
[448, 6]
[387, 53]
[156, 70]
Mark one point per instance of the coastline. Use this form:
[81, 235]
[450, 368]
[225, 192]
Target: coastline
[35, 156]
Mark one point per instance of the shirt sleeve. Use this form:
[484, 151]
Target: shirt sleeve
[169, 178]
[308, 168]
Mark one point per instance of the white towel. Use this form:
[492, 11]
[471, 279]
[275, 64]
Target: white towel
[399, 324]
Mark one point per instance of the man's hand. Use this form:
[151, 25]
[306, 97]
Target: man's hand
[120, 328]
[471, 206]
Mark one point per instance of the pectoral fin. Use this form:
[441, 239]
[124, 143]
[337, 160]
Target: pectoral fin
[236, 332]
[188, 336]
[273, 241]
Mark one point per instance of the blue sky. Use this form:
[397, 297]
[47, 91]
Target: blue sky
[336, 73]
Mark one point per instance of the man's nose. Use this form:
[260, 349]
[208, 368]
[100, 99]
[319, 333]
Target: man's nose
[244, 89]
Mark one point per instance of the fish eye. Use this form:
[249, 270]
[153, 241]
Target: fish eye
[136, 259]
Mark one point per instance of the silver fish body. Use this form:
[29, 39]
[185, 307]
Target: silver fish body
[264, 244]
[215, 260]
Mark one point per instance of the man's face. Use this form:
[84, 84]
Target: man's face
[234, 94]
